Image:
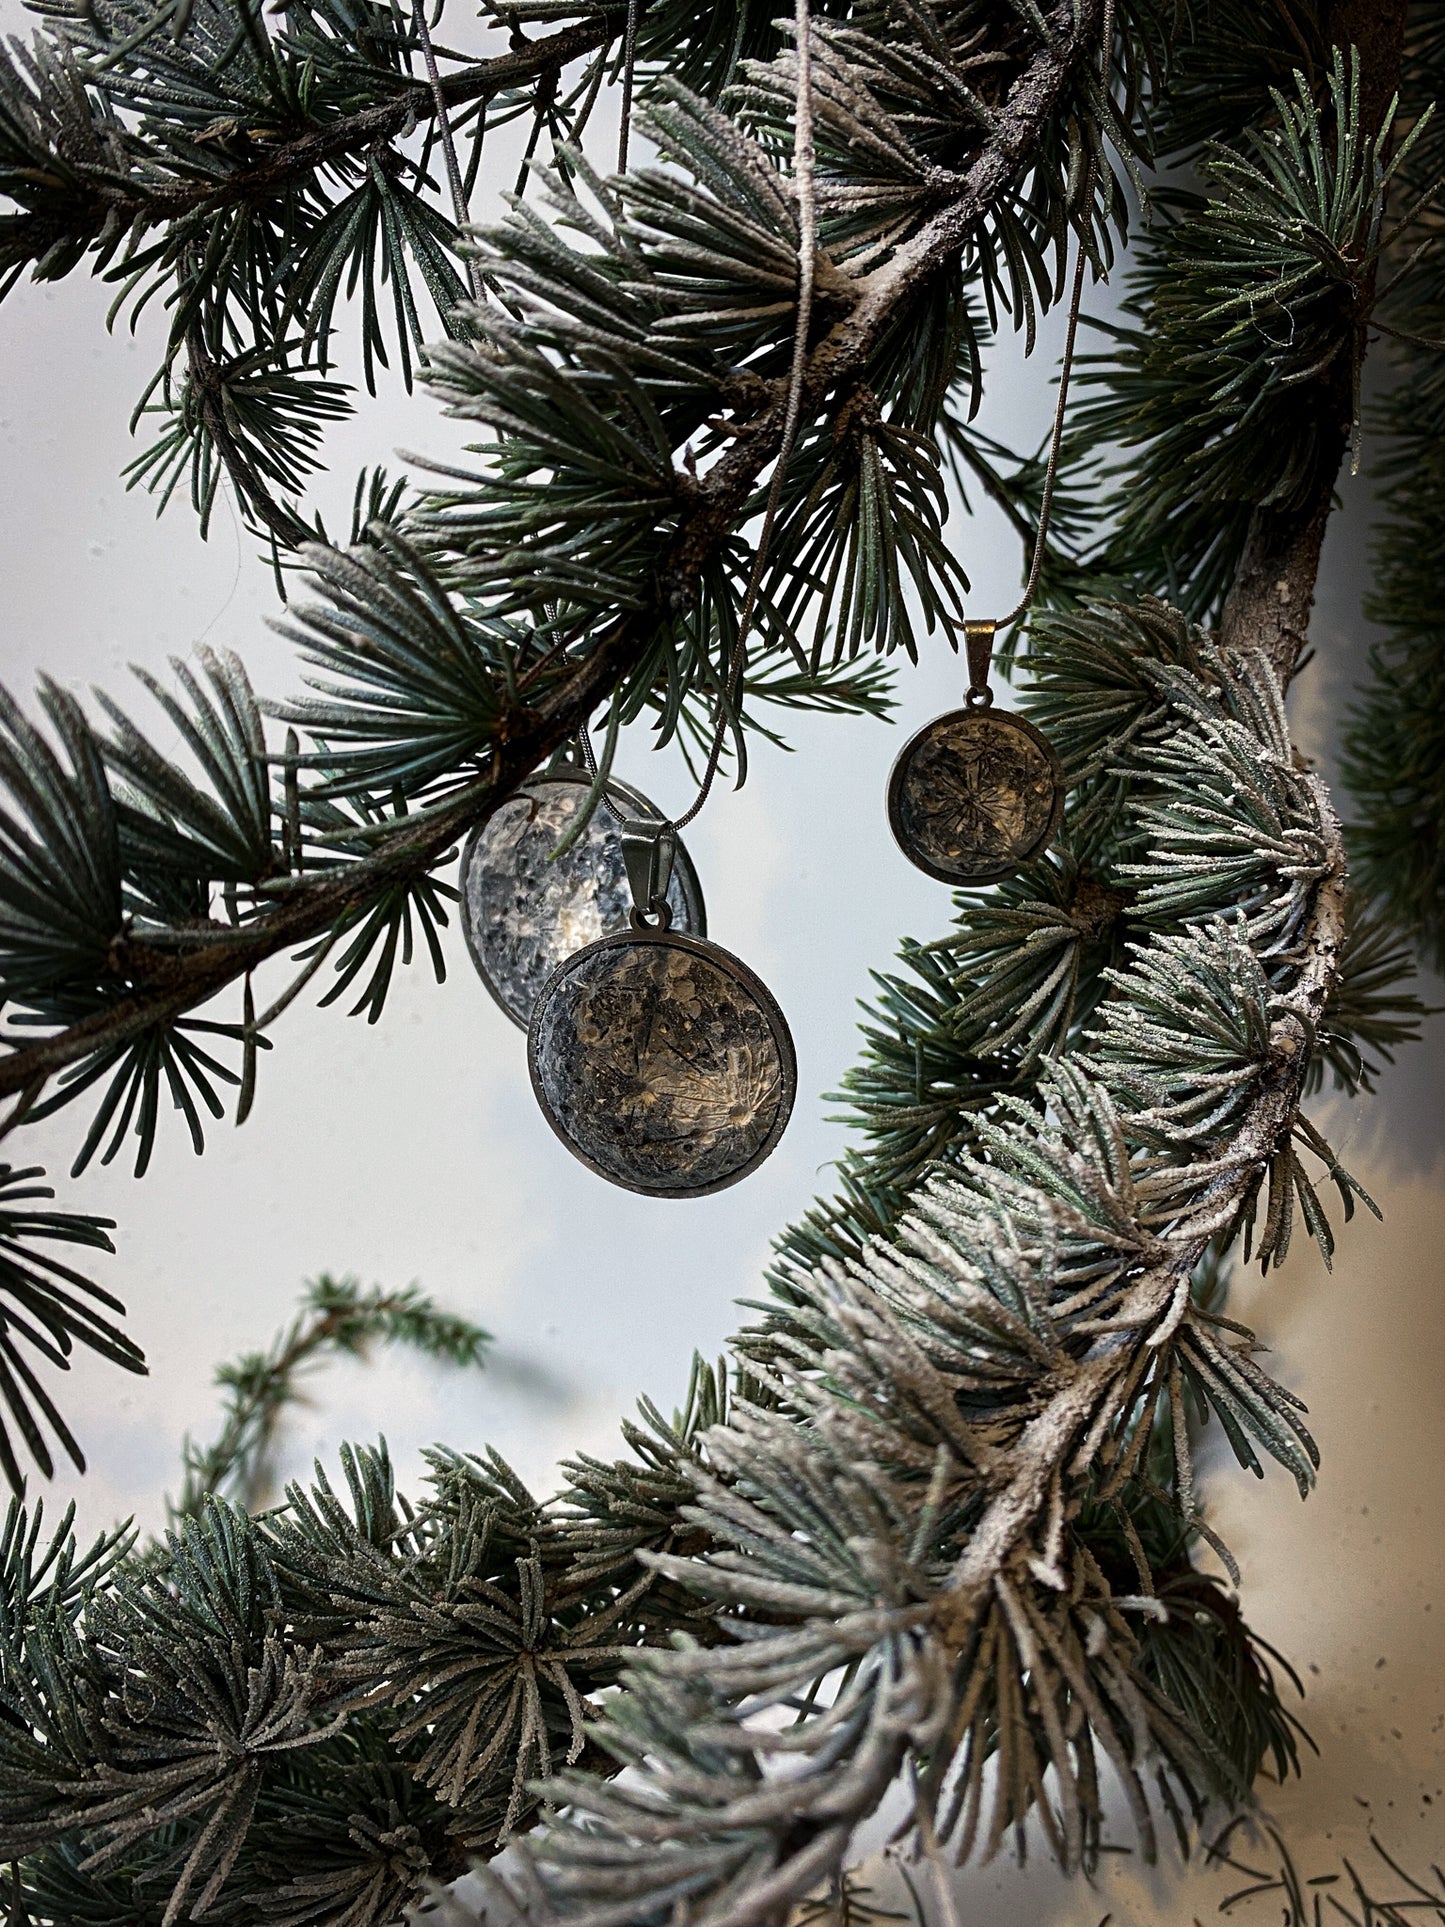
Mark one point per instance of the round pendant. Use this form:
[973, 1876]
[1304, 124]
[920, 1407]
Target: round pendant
[523, 911]
[974, 795]
[662, 1062]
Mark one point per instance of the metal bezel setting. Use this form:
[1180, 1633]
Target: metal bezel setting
[628, 802]
[998, 718]
[730, 966]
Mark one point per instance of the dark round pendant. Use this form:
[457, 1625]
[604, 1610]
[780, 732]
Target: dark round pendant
[974, 795]
[662, 1062]
[523, 911]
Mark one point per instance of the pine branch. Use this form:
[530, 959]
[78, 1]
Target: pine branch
[1269, 603]
[161, 984]
[249, 166]
[247, 162]
[168, 984]
[943, 1521]
[49, 1308]
[499, 1618]
[284, 164]
[337, 1316]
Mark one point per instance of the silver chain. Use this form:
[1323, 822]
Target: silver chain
[803, 161]
[980, 634]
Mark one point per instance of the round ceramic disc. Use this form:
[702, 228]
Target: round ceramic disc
[975, 794]
[663, 1063]
[524, 911]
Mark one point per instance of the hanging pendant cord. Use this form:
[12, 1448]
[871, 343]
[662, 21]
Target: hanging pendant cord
[981, 634]
[449, 149]
[1046, 502]
[803, 160]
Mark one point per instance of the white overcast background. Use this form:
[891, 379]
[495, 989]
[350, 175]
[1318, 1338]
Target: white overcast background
[413, 1150]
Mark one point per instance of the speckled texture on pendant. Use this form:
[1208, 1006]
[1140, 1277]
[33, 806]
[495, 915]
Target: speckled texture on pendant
[974, 795]
[663, 1063]
[523, 911]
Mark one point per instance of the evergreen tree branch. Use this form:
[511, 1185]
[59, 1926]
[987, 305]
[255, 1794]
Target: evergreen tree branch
[48, 1308]
[166, 984]
[250, 165]
[337, 1316]
[1269, 602]
[943, 1522]
[1051, 1438]
[151, 986]
[285, 163]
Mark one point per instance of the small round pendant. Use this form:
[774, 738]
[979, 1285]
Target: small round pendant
[662, 1062]
[524, 911]
[974, 795]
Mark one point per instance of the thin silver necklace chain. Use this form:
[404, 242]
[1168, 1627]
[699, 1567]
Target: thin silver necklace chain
[803, 162]
[980, 634]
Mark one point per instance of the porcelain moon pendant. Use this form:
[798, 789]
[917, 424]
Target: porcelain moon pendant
[662, 1062]
[974, 795]
[524, 911]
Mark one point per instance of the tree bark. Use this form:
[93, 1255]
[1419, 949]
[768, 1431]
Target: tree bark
[1269, 602]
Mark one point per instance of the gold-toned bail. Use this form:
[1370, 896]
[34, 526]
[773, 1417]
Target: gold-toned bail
[978, 642]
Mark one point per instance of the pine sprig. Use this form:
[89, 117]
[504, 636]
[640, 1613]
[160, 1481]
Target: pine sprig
[1244, 313]
[339, 1317]
[326, 1795]
[244, 168]
[46, 1309]
[451, 671]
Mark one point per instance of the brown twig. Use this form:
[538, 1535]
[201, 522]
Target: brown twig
[284, 162]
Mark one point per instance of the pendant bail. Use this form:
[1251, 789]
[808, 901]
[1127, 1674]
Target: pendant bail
[648, 849]
[978, 639]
